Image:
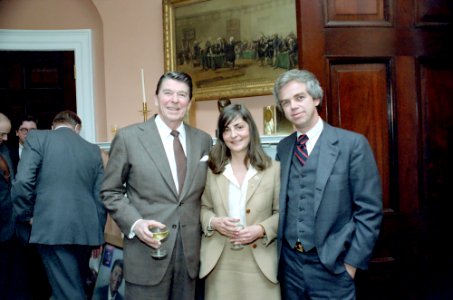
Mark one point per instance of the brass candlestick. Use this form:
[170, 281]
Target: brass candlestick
[145, 112]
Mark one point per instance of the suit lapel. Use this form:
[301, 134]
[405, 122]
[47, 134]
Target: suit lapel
[192, 148]
[191, 163]
[223, 187]
[286, 156]
[156, 151]
[254, 182]
[328, 154]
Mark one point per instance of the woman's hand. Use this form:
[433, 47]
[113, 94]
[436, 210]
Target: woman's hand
[248, 235]
[225, 226]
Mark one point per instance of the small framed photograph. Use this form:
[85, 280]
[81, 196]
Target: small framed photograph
[110, 277]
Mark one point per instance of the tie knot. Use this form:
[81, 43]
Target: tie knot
[175, 133]
[302, 139]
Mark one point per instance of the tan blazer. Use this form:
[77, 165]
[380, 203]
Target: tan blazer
[261, 208]
[138, 167]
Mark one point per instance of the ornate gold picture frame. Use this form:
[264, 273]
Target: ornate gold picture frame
[234, 48]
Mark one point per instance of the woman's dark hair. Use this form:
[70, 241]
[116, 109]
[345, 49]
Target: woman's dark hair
[220, 154]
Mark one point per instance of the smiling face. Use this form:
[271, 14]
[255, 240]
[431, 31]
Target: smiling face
[299, 107]
[172, 101]
[237, 136]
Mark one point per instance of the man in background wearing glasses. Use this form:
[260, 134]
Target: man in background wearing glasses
[23, 126]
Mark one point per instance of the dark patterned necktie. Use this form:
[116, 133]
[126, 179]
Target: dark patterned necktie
[301, 149]
[180, 158]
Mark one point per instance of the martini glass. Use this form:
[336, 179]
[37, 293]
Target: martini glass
[159, 234]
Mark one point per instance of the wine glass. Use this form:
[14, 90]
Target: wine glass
[159, 234]
[238, 246]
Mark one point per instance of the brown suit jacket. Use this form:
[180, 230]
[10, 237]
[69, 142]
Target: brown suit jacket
[138, 167]
[261, 208]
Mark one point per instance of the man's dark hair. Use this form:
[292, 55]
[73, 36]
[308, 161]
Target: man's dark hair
[26, 118]
[67, 117]
[179, 76]
[118, 262]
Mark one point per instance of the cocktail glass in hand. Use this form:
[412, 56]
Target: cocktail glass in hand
[238, 246]
[159, 234]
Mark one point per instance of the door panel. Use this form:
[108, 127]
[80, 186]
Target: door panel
[360, 103]
[386, 68]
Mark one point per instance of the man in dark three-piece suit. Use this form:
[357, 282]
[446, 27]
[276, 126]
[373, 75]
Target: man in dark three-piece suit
[57, 191]
[145, 186]
[330, 197]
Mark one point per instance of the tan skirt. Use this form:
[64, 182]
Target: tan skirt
[237, 276]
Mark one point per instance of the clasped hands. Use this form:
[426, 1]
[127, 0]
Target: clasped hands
[228, 227]
[141, 230]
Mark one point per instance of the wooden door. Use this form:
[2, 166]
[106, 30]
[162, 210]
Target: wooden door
[387, 70]
[38, 83]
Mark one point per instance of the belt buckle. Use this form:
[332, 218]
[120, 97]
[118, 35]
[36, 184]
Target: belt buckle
[299, 247]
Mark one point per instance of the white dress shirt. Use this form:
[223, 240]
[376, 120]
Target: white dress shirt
[237, 194]
[167, 140]
[21, 147]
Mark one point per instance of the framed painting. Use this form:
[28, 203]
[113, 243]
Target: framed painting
[234, 48]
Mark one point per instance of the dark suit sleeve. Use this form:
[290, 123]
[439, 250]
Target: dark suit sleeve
[23, 190]
[366, 191]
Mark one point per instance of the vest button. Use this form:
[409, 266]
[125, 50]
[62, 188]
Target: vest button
[254, 246]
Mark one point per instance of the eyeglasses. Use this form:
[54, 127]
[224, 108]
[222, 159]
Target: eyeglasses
[25, 130]
[3, 134]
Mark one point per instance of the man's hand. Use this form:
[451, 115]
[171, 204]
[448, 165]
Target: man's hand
[142, 231]
[351, 270]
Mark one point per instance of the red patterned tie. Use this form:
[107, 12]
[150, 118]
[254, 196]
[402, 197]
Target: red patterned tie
[180, 158]
[301, 149]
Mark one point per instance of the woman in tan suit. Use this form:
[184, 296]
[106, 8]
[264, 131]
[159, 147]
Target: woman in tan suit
[239, 210]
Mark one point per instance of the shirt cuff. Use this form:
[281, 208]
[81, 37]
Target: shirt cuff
[209, 225]
[131, 234]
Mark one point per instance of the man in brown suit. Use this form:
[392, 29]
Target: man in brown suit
[142, 190]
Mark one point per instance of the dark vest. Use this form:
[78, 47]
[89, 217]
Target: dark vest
[300, 218]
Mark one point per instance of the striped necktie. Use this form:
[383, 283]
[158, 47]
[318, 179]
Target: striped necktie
[301, 149]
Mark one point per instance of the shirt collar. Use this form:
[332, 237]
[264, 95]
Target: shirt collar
[228, 173]
[164, 130]
[63, 126]
[315, 131]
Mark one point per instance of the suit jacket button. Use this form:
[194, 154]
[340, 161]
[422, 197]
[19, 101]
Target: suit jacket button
[174, 226]
[254, 246]
[247, 210]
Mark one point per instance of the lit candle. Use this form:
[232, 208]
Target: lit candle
[143, 86]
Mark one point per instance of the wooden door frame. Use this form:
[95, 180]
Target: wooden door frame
[79, 41]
